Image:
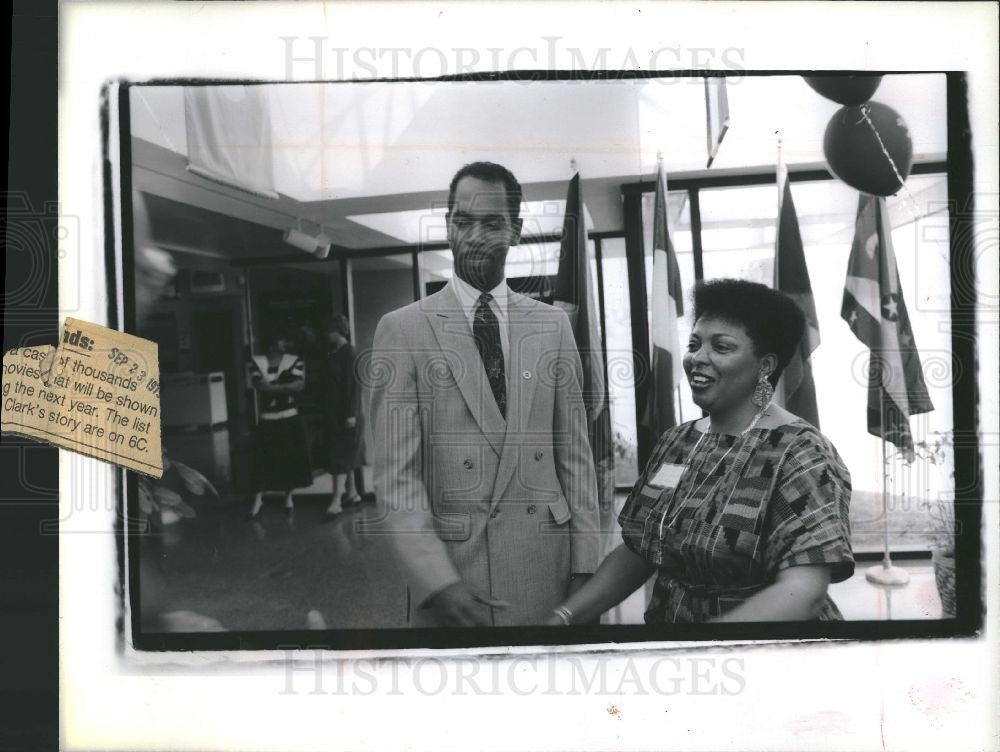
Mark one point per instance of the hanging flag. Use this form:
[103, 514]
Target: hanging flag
[229, 137]
[668, 307]
[796, 390]
[574, 293]
[873, 307]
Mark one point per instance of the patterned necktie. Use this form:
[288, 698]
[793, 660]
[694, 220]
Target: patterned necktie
[486, 331]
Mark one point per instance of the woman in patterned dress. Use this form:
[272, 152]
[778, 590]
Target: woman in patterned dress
[741, 515]
[281, 454]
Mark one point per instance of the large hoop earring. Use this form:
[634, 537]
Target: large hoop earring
[763, 392]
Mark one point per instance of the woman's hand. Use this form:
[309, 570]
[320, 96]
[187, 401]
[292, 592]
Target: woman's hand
[552, 620]
[618, 576]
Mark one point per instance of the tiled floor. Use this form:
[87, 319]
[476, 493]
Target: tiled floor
[268, 574]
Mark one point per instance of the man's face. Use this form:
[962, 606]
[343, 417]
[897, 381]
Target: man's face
[481, 231]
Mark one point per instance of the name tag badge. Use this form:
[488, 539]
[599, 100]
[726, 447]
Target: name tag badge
[667, 476]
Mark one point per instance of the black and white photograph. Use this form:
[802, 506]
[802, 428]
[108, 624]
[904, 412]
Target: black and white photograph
[497, 354]
[550, 376]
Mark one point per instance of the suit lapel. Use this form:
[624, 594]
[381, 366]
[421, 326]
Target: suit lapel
[522, 379]
[454, 337]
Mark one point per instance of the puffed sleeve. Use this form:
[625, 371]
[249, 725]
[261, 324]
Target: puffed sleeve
[253, 371]
[807, 521]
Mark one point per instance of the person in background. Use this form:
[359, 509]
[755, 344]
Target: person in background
[742, 515]
[155, 270]
[343, 414]
[281, 455]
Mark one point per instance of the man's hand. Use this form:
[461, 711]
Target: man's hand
[351, 422]
[462, 605]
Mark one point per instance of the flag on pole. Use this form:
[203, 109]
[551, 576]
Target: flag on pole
[668, 307]
[874, 309]
[796, 390]
[229, 137]
[574, 293]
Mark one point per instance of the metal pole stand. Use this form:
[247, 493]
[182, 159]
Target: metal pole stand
[887, 575]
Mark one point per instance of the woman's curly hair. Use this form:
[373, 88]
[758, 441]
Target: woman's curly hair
[773, 321]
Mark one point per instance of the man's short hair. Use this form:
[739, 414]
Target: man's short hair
[489, 172]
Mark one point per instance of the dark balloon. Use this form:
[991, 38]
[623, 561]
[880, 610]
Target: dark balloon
[853, 152]
[848, 90]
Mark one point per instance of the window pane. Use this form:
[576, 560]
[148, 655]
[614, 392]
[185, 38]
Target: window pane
[737, 232]
[621, 383]
[738, 239]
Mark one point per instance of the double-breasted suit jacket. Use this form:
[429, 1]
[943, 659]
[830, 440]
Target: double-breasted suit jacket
[508, 505]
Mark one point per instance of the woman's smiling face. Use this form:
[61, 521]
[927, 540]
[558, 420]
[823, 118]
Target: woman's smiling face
[721, 364]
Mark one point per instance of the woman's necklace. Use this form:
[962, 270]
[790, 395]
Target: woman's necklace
[711, 474]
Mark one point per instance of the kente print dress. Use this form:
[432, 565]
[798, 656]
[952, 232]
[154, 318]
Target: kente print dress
[743, 508]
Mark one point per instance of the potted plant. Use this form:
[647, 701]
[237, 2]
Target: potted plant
[942, 514]
[161, 506]
[944, 558]
[161, 503]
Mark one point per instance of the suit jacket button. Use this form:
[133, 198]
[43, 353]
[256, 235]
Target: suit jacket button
[468, 464]
[538, 456]
[532, 508]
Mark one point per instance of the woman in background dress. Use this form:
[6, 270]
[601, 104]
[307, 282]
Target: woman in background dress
[343, 415]
[281, 455]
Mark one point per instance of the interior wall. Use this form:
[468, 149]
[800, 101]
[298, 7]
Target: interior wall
[378, 288]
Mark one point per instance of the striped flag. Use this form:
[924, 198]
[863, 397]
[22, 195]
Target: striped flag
[668, 307]
[874, 309]
[229, 137]
[796, 390]
[574, 293]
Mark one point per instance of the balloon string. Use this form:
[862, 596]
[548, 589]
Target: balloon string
[908, 201]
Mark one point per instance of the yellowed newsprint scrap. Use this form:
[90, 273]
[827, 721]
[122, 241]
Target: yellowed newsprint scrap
[97, 393]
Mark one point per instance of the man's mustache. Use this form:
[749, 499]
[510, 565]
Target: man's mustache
[481, 249]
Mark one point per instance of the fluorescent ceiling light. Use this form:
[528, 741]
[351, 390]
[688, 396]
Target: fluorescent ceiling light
[429, 225]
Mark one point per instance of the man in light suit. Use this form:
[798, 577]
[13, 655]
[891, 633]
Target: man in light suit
[483, 470]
